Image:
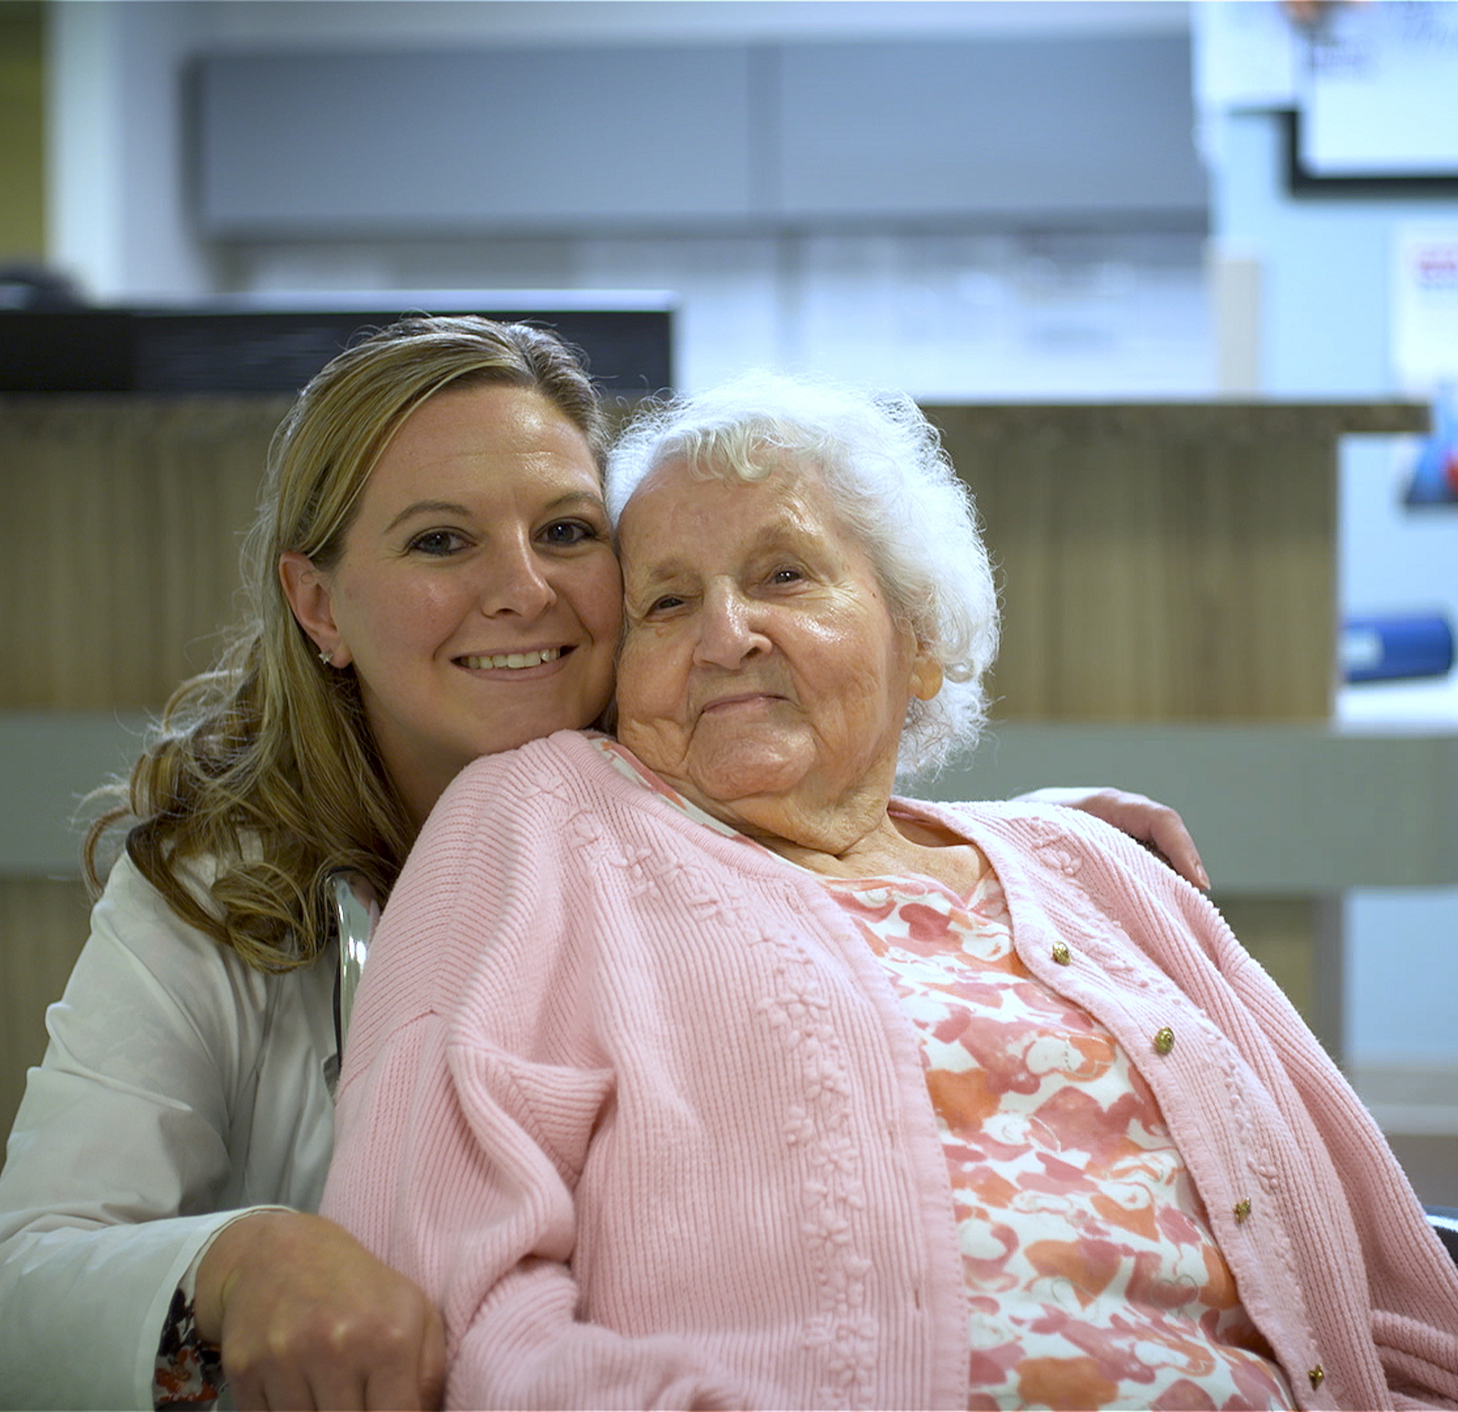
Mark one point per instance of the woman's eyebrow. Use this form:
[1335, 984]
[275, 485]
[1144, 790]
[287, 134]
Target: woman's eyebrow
[424, 507]
[578, 497]
[453, 507]
[651, 575]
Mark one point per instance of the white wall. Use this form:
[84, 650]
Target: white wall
[1326, 266]
[117, 217]
[944, 310]
[943, 315]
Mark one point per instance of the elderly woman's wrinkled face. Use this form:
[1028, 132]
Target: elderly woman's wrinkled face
[760, 659]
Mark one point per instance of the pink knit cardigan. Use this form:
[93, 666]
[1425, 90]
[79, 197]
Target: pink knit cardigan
[634, 1103]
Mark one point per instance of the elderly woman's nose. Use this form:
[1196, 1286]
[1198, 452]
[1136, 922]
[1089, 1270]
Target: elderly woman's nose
[512, 581]
[729, 628]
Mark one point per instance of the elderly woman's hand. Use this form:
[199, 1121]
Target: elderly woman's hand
[306, 1317]
[1158, 827]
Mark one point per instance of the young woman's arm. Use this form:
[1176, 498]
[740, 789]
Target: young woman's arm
[178, 1089]
[1158, 827]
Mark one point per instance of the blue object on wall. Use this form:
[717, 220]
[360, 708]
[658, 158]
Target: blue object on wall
[1396, 647]
[1435, 471]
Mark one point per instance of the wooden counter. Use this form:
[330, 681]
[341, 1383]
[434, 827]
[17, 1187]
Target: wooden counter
[1161, 564]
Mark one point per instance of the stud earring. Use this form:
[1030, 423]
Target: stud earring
[326, 658]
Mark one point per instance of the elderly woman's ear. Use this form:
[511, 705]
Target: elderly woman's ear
[926, 674]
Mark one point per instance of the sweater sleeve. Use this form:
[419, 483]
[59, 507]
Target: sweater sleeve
[1411, 1280]
[466, 1118]
[459, 1166]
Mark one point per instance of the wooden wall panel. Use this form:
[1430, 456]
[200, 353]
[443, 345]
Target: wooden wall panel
[1162, 562]
[120, 539]
[43, 923]
[119, 545]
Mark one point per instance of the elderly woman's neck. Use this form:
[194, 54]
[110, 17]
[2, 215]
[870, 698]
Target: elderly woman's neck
[854, 838]
[901, 848]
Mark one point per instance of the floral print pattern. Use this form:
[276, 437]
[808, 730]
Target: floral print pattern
[1093, 1279]
[189, 1372]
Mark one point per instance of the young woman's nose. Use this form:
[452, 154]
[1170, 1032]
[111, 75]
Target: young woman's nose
[514, 582]
[729, 628]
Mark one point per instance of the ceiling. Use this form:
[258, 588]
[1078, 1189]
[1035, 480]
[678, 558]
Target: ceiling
[247, 23]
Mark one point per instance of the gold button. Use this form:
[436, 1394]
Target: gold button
[1317, 1376]
[1242, 1210]
[1061, 954]
[1163, 1040]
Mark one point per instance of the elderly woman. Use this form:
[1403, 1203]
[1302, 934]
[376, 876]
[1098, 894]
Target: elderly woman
[696, 1070]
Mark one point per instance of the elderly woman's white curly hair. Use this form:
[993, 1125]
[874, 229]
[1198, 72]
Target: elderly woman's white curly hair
[893, 486]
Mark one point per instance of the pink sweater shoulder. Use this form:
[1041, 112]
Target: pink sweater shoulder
[625, 1098]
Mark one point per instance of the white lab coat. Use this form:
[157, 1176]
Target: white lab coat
[178, 1084]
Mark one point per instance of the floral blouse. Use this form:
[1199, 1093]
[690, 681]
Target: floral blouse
[189, 1372]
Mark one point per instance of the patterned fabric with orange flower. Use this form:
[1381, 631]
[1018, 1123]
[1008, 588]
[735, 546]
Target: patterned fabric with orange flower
[1093, 1279]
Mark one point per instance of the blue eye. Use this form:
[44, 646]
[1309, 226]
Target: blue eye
[438, 543]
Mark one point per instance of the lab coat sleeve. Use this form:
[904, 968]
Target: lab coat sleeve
[118, 1156]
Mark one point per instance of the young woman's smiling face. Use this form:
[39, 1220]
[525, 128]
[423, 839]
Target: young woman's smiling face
[477, 598]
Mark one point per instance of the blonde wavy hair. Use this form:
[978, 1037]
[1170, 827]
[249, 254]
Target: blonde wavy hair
[262, 774]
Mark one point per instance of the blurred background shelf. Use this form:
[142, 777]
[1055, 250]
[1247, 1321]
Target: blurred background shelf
[1276, 809]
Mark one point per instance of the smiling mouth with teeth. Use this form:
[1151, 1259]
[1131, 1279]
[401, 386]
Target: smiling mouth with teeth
[512, 659]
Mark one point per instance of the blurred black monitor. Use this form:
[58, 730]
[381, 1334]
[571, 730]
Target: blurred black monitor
[246, 348]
